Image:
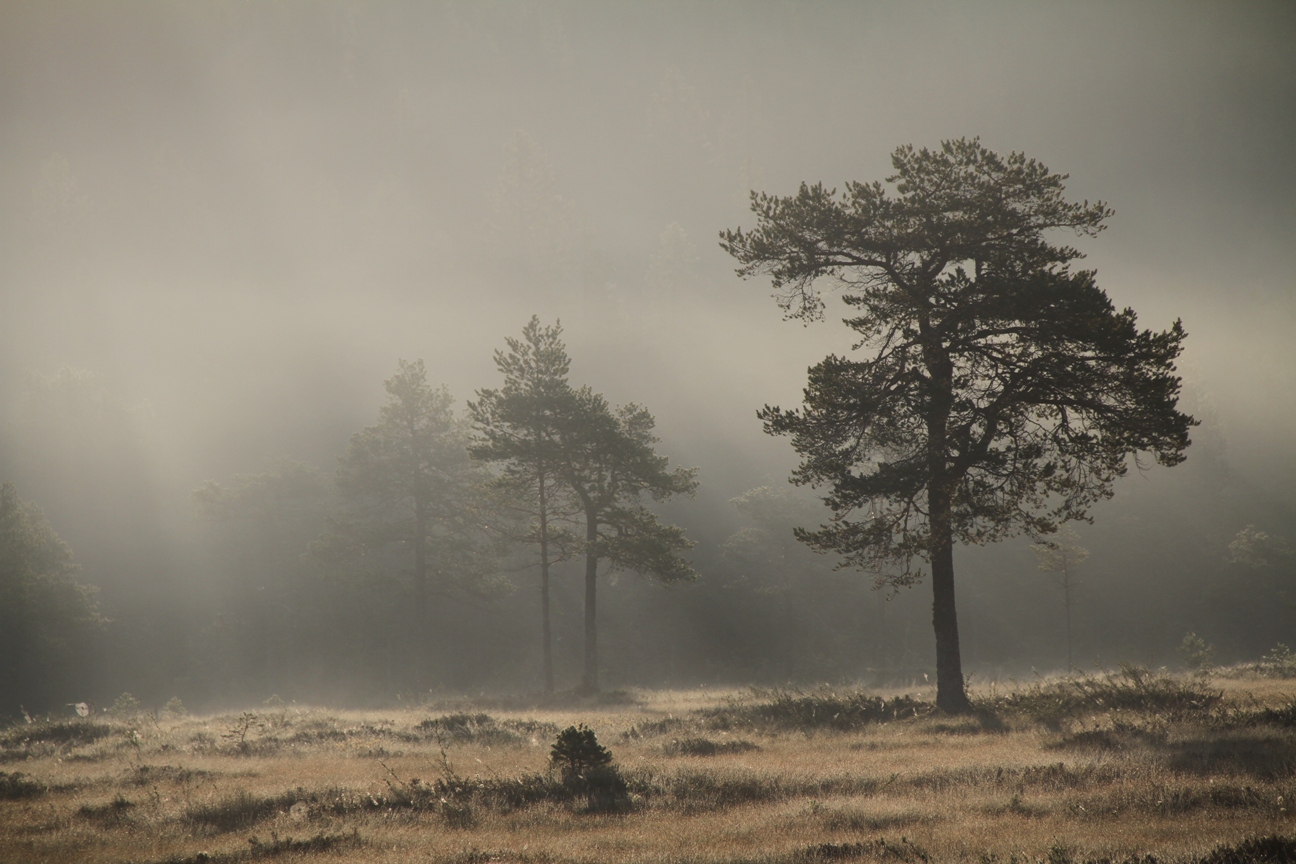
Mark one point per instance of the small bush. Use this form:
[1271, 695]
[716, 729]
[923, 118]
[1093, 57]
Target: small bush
[1130, 689]
[238, 735]
[1280, 662]
[19, 785]
[125, 707]
[471, 728]
[1256, 850]
[587, 769]
[238, 811]
[147, 775]
[577, 751]
[825, 710]
[653, 728]
[74, 733]
[318, 843]
[707, 747]
[1284, 715]
[1198, 655]
[880, 850]
[114, 814]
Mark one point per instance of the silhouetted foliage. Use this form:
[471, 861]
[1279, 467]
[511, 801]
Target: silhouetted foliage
[609, 462]
[523, 427]
[577, 751]
[44, 609]
[1005, 393]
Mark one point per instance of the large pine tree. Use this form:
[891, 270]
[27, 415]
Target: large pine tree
[1001, 392]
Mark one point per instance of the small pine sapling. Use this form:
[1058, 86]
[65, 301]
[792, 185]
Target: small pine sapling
[577, 752]
[1198, 654]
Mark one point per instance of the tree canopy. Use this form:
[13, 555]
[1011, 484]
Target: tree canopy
[1002, 392]
[407, 483]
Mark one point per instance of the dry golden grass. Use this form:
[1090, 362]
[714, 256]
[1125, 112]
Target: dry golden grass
[707, 777]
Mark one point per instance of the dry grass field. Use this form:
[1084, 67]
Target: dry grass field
[1114, 767]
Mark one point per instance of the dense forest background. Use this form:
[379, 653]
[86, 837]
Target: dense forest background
[222, 225]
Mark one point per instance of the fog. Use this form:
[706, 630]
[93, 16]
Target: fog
[236, 218]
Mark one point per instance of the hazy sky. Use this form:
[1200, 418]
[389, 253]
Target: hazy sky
[244, 213]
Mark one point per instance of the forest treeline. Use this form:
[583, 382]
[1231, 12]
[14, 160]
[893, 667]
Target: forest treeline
[304, 582]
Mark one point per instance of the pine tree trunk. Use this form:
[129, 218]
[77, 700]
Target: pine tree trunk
[421, 653]
[420, 563]
[589, 683]
[546, 632]
[951, 697]
[1066, 601]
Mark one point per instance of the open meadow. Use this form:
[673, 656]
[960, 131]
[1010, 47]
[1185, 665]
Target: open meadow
[1112, 767]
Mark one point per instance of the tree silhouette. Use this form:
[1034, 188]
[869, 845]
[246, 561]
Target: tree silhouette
[1004, 392]
[610, 464]
[521, 427]
[408, 483]
[43, 606]
[1061, 557]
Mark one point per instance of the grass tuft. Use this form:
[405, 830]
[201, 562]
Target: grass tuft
[1131, 689]
[67, 733]
[19, 785]
[707, 747]
[880, 849]
[114, 814]
[1271, 849]
[319, 843]
[484, 729]
[238, 811]
[827, 710]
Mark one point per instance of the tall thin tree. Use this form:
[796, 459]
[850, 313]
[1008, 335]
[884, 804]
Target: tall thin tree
[521, 428]
[610, 463]
[1062, 556]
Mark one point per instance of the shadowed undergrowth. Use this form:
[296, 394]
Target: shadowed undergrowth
[1130, 689]
[788, 710]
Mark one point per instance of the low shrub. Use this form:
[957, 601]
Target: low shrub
[587, 769]
[1132, 688]
[319, 843]
[72, 733]
[1284, 716]
[879, 850]
[792, 710]
[1280, 662]
[653, 728]
[148, 775]
[476, 729]
[114, 814]
[1271, 849]
[238, 811]
[125, 707]
[707, 747]
[706, 791]
[19, 785]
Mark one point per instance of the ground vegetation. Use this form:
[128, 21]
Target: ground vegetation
[1125, 766]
